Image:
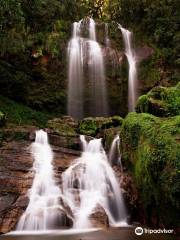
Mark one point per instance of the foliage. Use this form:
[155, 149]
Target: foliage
[20, 114]
[151, 149]
[158, 20]
[94, 8]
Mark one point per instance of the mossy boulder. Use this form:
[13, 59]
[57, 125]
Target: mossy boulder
[160, 101]
[92, 126]
[150, 149]
[65, 126]
[2, 119]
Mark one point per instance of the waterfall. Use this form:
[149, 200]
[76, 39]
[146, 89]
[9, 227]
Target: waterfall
[90, 183]
[98, 104]
[86, 73]
[114, 152]
[43, 211]
[75, 74]
[92, 30]
[131, 57]
[107, 40]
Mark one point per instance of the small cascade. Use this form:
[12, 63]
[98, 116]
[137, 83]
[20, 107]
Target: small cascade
[86, 75]
[90, 183]
[131, 57]
[92, 29]
[114, 155]
[44, 211]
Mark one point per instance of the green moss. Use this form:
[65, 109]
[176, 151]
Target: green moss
[160, 101]
[149, 74]
[20, 114]
[151, 149]
[91, 126]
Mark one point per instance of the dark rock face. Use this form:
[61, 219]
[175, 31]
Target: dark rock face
[16, 178]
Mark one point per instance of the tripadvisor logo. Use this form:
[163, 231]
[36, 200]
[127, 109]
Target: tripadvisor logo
[139, 231]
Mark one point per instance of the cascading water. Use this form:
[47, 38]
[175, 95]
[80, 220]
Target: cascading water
[90, 183]
[98, 104]
[131, 57]
[114, 155]
[92, 29]
[75, 74]
[107, 40]
[44, 211]
[86, 68]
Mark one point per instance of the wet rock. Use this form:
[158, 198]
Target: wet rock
[99, 218]
[18, 133]
[6, 201]
[62, 133]
[8, 221]
[65, 141]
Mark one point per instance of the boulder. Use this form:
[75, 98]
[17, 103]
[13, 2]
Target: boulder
[99, 218]
[65, 126]
[92, 126]
[62, 133]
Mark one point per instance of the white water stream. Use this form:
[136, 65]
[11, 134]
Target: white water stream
[86, 70]
[89, 184]
[131, 57]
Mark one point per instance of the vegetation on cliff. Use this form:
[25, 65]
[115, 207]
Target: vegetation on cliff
[34, 39]
[151, 149]
[160, 101]
[19, 114]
